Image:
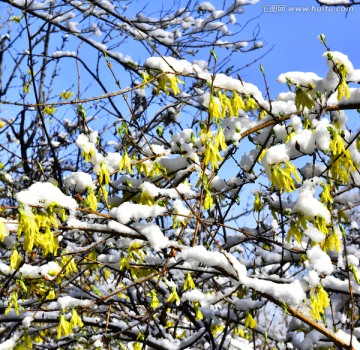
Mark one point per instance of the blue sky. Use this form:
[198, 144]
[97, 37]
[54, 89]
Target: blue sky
[294, 37]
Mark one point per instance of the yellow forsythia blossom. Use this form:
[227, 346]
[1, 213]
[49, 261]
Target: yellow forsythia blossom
[91, 199]
[64, 327]
[28, 227]
[125, 163]
[69, 264]
[208, 201]
[124, 264]
[216, 329]
[3, 231]
[13, 302]
[189, 282]
[198, 314]
[249, 321]
[104, 177]
[319, 301]
[75, 320]
[225, 103]
[50, 110]
[281, 176]
[154, 299]
[343, 89]
[15, 260]
[173, 297]
[326, 194]
[220, 141]
[214, 109]
[66, 95]
[237, 104]
[250, 104]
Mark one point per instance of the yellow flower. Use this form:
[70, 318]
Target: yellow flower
[189, 282]
[104, 176]
[27, 225]
[69, 264]
[137, 346]
[250, 322]
[154, 299]
[225, 103]
[343, 89]
[326, 194]
[214, 109]
[146, 198]
[216, 328]
[173, 297]
[319, 301]
[320, 224]
[66, 95]
[237, 104]
[91, 199]
[208, 201]
[198, 314]
[303, 99]
[13, 302]
[124, 264]
[88, 155]
[15, 260]
[220, 141]
[75, 319]
[258, 204]
[250, 104]
[64, 327]
[332, 242]
[212, 155]
[125, 163]
[50, 110]
[3, 231]
[173, 82]
[281, 176]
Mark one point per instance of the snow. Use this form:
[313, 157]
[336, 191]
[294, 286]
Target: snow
[58, 54]
[276, 154]
[314, 279]
[206, 6]
[314, 234]
[346, 337]
[79, 182]
[197, 295]
[308, 205]
[26, 322]
[154, 191]
[170, 64]
[299, 78]
[320, 261]
[9, 344]
[43, 194]
[49, 270]
[69, 302]
[132, 211]
[335, 2]
[153, 234]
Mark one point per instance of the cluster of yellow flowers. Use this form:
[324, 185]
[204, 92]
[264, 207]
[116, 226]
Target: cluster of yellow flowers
[229, 106]
[165, 82]
[319, 301]
[341, 161]
[37, 229]
[281, 176]
[343, 89]
[65, 327]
